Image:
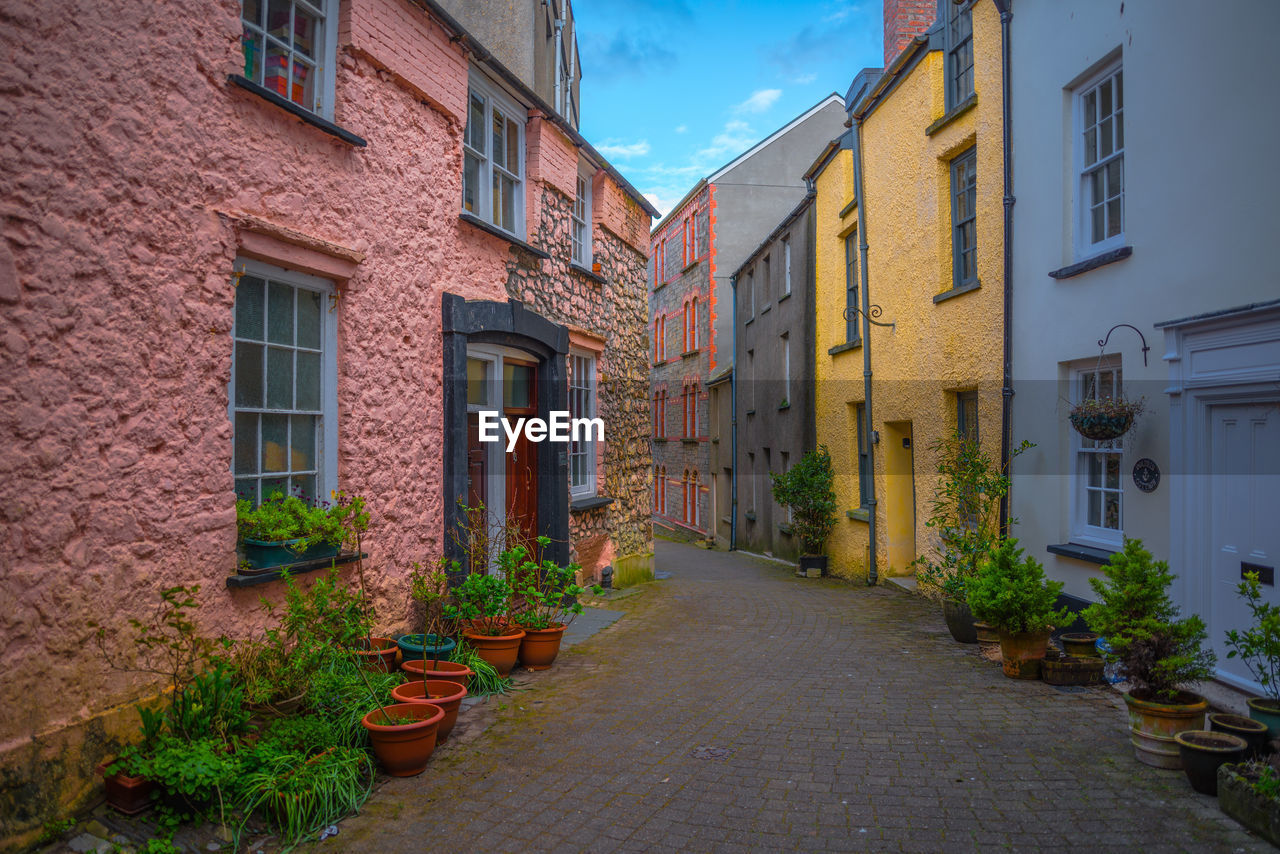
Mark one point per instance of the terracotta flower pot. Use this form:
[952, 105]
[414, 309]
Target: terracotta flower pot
[500, 650]
[382, 655]
[446, 695]
[1022, 652]
[126, 794]
[1202, 753]
[540, 647]
[449, 671]
[404, 747]
[1152, 726]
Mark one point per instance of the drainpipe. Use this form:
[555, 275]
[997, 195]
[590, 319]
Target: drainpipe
[559, 25]
[733, 419]
[872, 573]
[1006, 392]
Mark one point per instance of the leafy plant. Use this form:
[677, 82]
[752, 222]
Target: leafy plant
[547, 593]
[329, 614]
[211, 706]
[1011, 592]
[964, 513]
[807, 488]
[430, 589]
[53, 830]
[1267, 782]
[342, 692]
[1105, 418]
[200, 772]
[483, 600]
[1259, 645]
[300, 793]
[486, 680]
[299, 524]
[1158, 651]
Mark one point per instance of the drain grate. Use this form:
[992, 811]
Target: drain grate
[1071, 689]
[710, 752]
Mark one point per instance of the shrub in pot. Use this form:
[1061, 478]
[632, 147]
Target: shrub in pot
[1159, 651]
[482, 601]
[807, 488]
[283, 529]
[1011, 593]
[1258, 647]
[547, 596]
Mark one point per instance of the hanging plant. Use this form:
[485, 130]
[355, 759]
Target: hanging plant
[1106, 418]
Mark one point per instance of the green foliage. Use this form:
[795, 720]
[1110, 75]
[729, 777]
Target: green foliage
[283, 519]
[486, 680]
[807, 488]
[330, 614]
[1259, 645]
[300, 792]
[547, 593]
[430, 589]
[53, 830]
[1012, 594]
[211, 706]
[1267, 783]
[1104, 418]
[342, 692]
[1159, 652]
[484, 599]
[201, 772]
[964, 513]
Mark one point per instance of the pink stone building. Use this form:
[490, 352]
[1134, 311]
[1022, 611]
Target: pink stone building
[247, 249]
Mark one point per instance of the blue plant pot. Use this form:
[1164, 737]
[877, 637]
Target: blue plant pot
[264, 555]
[1268, 712]
[411, 647]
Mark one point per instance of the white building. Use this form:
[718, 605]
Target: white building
[1144, 137]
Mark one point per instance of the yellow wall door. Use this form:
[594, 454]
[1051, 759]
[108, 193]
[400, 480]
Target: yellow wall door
[899, 495]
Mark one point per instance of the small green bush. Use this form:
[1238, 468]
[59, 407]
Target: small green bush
[1012, 593]
[1259, 645]
[807, 488]
[1158, 651]
[281, 519]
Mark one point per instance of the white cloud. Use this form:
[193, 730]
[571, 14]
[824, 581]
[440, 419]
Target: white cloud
[618, 150]
[802, 79]
[760, 100]
[682, 128]
[736, 137]
[664, 200]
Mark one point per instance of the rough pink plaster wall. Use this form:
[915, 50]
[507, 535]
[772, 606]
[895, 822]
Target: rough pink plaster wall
[114, 343]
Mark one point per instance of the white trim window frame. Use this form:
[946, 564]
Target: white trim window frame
[957, 20]
[282, 399]
[580, 229]
[1097, 483]
[582, 404]
[1099, 161]
[786, 265]
[493, 161]
[290, 47]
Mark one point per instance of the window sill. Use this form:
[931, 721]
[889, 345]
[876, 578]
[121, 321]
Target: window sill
[751, 412]
[847, 209]
[750, 320]
[749, 516]
[1088, 554]
[956, 292]
[767, 308]
[689, 266]
[687, 353]
[661, 439]
[787, 295]
[956, 112]
[845, 347]
[1092, 263]
[590, 274]
[859, 515]
[784, 528]
[299, 112]
[784, 405]
[477, 222]
[659, 286]
[690, 440]
[297, 568]
[594, 502]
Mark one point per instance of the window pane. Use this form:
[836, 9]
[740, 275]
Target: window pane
[305, 28]
[1095, 509]
[1114, 179]
[279, 313]
[246, 443]
[1113, 471]
[1104, 98]
[475, 124]
[517, 385]
[276, 70]
[513, 147]
[308, 381]
[1094, 463]
[499, 143]
[478, 382]
[302, 443]
[1090, 146]
[251, 44]
[278, 19]
[1111, 518]
[274, 484]
[1119, 78]
[304, 486]
[279, 378]
[471, 184]
[303, 83]
[248, 374]
[505, 190]
[249, 309]
[275, 443]
[1105, 138]
[1119, 131]
[1091, 109]
[1099, 226]
[1113, 218]
[251, 10]
[247, 488]
[309, 318]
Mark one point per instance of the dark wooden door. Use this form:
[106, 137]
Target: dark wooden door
[477, 467]
[520, 401]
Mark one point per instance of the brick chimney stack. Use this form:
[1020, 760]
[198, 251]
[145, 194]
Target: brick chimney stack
[903, 21]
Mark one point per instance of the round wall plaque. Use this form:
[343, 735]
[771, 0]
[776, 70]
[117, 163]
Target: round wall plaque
[1146, 474]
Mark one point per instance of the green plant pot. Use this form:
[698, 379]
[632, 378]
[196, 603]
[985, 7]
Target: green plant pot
[261, 554]
[1237, 798]
[1268, 712]
[412, 648]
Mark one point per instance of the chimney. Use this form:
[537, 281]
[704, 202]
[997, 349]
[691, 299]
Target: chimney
[903, 21]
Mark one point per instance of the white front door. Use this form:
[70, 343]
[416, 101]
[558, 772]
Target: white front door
[1244, 515]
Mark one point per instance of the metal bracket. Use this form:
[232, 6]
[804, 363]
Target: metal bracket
[1102, 342]
[870, 316]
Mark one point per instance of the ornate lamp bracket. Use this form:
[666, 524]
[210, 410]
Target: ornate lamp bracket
[1102, 342]
[852, 313]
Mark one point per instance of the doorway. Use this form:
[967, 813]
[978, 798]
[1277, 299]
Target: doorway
[899, 495]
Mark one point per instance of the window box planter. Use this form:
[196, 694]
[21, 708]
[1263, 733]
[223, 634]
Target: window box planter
[1104, 419]
[1238, 799]
[263, 556]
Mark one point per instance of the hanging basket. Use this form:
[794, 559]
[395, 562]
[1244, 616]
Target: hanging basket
[1104, 419]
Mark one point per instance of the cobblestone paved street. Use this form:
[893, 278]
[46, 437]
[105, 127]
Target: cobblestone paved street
[738, 708]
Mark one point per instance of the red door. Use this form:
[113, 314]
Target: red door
[520, 399]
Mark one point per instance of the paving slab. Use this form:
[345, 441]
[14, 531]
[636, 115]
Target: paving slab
[736, 707]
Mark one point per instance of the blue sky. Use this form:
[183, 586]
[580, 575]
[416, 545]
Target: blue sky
[672, 89]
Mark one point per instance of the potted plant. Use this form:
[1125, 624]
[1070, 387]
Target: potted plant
[1203, 752]
[430, 589]
[445, 694]
[806, 488]
[404, 736]
[965, 515]
[482, 601]
[1011, 593]
[1259, 648]
[548, 596]
[1159, 651]
[1250, 793]
[1104, 418]
[285, 529]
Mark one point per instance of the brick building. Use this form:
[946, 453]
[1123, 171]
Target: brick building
[301, 258]
[694, 251]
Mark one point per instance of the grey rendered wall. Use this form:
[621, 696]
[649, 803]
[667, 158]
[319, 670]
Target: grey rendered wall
[504, 27]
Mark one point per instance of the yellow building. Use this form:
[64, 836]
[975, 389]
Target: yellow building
[927, 133]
